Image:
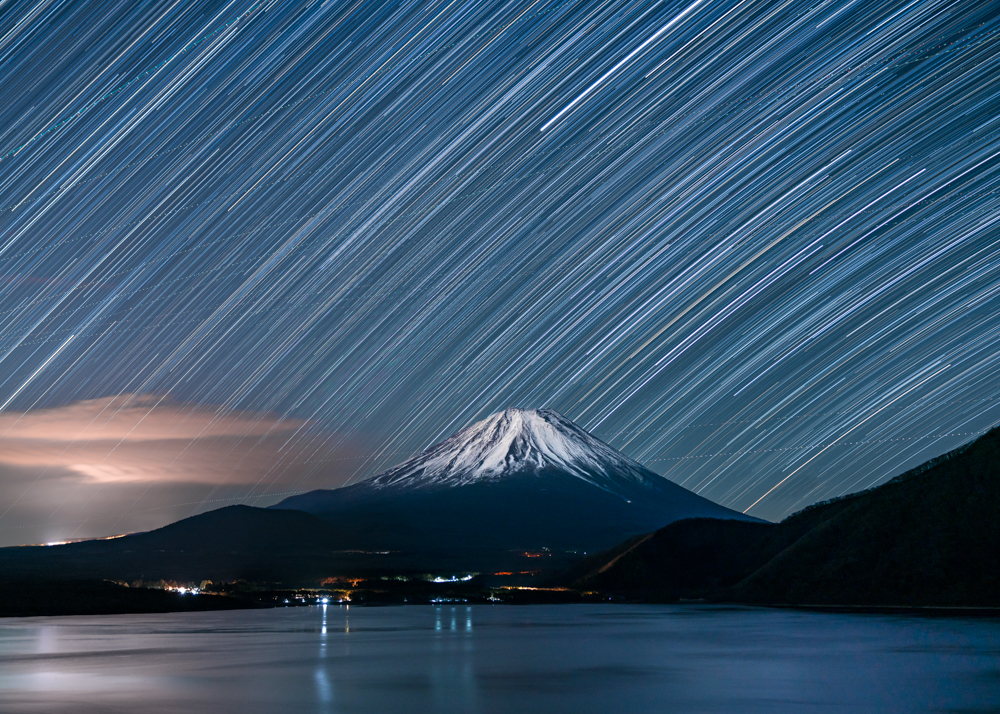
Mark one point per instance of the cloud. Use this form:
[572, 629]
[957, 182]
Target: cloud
[149, 438]
[133, 417]
[134, 462]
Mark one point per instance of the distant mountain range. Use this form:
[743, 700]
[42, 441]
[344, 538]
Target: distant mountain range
[520, 490]
[930, 537]
[531, 492]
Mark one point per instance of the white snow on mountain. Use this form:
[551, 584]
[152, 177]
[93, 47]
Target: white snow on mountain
[511, 442]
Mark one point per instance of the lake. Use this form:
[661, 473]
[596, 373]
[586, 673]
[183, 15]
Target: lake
[457, 658]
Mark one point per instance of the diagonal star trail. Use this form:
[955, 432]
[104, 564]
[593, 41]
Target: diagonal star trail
[739, 242]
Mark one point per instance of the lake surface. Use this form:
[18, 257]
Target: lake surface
[556, 658]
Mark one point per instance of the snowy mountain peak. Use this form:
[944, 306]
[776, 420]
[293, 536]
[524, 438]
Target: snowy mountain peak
[516, 441]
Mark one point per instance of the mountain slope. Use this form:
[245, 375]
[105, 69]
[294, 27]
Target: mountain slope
[518, 480]
[517, 441]
[507, 445]
[223, 545]
[928, 537]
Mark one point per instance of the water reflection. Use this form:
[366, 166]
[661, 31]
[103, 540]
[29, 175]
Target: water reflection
[453, 680]
[324, 689]
[459, 658]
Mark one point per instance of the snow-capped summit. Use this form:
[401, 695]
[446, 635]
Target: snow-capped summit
[513, 442]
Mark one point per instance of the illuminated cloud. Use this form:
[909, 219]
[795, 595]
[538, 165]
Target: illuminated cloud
[144, 460]
[148, 438]
[135, 417]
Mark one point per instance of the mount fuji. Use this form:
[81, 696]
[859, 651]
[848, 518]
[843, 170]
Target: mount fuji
[519, 480]
[519, 492]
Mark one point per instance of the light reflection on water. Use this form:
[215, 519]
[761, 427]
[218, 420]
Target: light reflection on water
[333, 659]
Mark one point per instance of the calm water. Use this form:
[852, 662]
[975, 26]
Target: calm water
[499, 659]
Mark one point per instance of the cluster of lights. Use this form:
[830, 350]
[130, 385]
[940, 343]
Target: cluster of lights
[453, 579]
[185, 591]
[323, 600]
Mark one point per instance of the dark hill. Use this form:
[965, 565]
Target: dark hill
[236, 542]
[928, 537]
[35, 597]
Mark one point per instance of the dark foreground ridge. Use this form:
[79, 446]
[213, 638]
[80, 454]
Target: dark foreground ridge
[43, 596]
[927, 538]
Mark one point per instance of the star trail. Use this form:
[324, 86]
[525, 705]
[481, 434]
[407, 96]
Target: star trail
[753, 245]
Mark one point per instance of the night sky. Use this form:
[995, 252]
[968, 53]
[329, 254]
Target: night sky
[253, 248]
